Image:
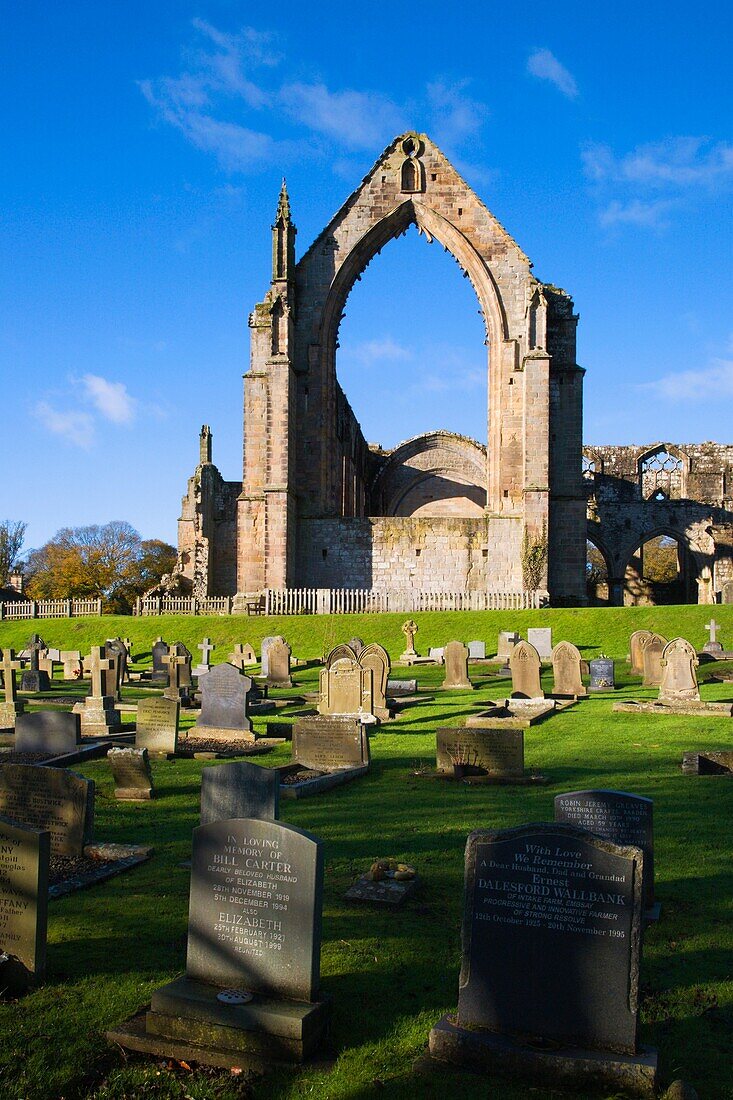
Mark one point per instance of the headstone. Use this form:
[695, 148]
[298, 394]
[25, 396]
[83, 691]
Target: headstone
[12, 706]
[726, 595]
[326, 744]
[402, 687]
[242, 656]
[506, 642]
[50, 798]
[653, 661]
[278, 664]
[98, 714]
[204, 664]
[409, 629]
[456, 668]
[477, 651]
[541, 638]
[264, 650]
[552, 937]
[345, 688]
[239, 789]
[253, 956]
[497, 752]
[35, 678]
[679, 679]
[340, 652]
[71, 660]
[48, 660]
[181, 650]
[524, 662]
[24, 857]
[615, 815]
[156, 728]
[117, 650]
[437, 654]
[602, 674]
[131, 773]
[713, 645]
[255, 908]
[52, 731]
[159, 674]
[374, 657]
[356, 644]
[566, 670]
[637, 642]
[224, 693]
[176, 663]
[120, 646]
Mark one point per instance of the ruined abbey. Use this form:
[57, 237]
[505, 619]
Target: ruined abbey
[319, 508]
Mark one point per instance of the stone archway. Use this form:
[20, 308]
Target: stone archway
[307, 466]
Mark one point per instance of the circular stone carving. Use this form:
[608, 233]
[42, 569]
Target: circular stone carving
[412, 146]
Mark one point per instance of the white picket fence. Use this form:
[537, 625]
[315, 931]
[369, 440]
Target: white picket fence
[348, 601]
[49, 609]
[183, 605]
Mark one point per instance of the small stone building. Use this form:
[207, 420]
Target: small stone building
[319, 507]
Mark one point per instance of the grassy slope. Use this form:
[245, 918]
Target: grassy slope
[392, 974]
[592, 629]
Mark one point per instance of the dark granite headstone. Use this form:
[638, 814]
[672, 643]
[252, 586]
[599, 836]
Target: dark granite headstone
[24, 856]
[131, 773]
[602, 674]
[325, 743]
[35, 678]
[615, 815]
[224, 701]
[552, 937]
[118, 647]
[255, 909]
[50, 798]
[239, 789]
[160, 671]
[498, 752]
[157, 725]
[53, 731]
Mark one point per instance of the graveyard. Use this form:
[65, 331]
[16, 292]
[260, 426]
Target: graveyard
[389, 975]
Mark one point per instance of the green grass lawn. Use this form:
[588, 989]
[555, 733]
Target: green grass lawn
[391, 975]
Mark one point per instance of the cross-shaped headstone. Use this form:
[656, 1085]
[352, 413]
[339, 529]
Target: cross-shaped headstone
[206, 647]
[712, 628]
[175, 663]
[8, 667]
[97, 664]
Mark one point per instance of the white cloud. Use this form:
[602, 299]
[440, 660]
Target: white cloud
[358, 120]
[383, 350]
[110, 399]
[646, 214]
[454, 378]
[456, 116]
[75, 427]
[694, 386]
[544, 65]
[676, 162]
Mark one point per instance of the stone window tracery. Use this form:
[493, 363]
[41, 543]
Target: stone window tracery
[661, 476]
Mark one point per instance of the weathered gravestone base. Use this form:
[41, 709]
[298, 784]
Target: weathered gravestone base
[482, 755]
[327, 751]
[693, 710]
[255, 886]
[707, 763]
[516, 713]
[387, 893]
[565, 907]
[24, 858]
[132, 775]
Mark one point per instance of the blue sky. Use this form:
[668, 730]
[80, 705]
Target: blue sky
[144, 145]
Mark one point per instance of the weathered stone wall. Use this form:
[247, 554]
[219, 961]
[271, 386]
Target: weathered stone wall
[440, 473]
[207, 532]
[438, 554]
[683, 491]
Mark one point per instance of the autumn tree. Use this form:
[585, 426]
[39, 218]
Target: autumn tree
[12, 534]
[110, 561]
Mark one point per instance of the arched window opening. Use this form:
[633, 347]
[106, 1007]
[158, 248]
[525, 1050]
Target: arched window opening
[411, 176]
[589, 468]
[661, 472]
[596, 575]
[661, 571]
